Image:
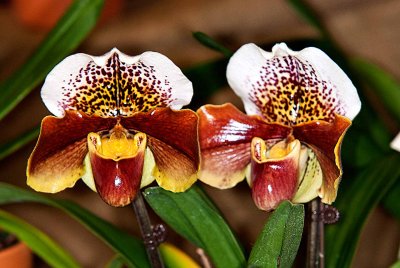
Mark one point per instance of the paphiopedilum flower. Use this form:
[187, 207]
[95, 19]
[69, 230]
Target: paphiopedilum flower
[117, 125]
[299, 106]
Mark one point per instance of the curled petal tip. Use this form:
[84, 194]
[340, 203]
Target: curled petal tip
[281, 49]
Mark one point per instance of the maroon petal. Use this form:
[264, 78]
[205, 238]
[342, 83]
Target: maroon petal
[173, 139]
[57, 160]
[325, 139]
[225, 136]
[117, 176]
[274, 172]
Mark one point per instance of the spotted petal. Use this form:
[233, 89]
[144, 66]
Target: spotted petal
[173, 139]
[291, 87]
[115, 84]
[57, 160]
[225, 135]
[325, 140]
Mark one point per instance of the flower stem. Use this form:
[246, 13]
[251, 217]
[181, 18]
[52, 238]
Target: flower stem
[315, 243]
[151, 241]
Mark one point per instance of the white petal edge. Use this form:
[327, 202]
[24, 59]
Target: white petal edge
[52, 88]
[328, 70]
[182, 89]
[245, 65]
[51, 93]
[242, 70]
[395, 144]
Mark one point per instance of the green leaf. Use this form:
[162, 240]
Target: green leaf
[127, 246]
[391, 201]
[12, 146]
[192, 215]
[72, 28]
[383, 84]
[355, 204]
[211, 43]
[279, 241]
[37, 241]
[117, 262]
[395, 265]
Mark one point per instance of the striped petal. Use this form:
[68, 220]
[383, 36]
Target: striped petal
[225, 135]
[117, 164]
[173, 140]
[115, 84]
[325, 139]
[275, 172]
[57, 161]
[291, 87]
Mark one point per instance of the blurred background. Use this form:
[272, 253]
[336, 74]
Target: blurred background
[367, 28]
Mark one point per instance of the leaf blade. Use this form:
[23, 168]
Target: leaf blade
[64, 38]
[383, 84]
[280, 238]
[37, 241]
[127, 246]
[12, 146]
[355, 204]
[183, 211]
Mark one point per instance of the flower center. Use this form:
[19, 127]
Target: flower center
[117, 144]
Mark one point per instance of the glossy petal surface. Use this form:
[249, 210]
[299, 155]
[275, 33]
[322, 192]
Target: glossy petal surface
[291, 87]
[115, 84]
[117, 169]
[225, 135]
[173, 139]
[57, 160]
[325, 140]
[274, 172]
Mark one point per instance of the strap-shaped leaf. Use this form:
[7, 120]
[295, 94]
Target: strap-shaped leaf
[37, 241]
[192, 215]
[391, 201]
[279, 241]
[127, 246]
[212, 44]
[17, 143]
[355, 204]
[382, 83]
[64, 38]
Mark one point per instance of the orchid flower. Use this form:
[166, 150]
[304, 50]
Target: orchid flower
[117, 125]
[299, 106]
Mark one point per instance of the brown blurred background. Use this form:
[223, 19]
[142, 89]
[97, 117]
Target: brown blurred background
[364, 28]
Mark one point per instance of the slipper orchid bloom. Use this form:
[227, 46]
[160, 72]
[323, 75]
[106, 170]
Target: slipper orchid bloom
[117, 125]
[299, 106]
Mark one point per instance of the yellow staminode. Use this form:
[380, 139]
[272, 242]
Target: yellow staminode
[120, 144]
